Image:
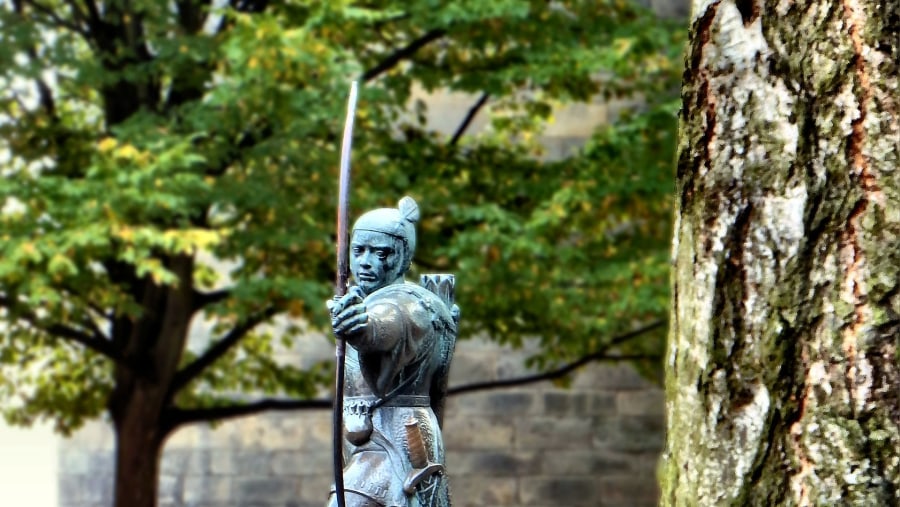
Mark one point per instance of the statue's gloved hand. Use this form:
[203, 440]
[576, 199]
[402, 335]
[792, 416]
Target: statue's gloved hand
[348, 315]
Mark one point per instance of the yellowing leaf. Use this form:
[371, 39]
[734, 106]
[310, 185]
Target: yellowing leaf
[125, 233]
[190, 240]
[127, 151]
[28, 248]
[106, 144]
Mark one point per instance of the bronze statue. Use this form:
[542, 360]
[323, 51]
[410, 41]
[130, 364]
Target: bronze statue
[401, 338]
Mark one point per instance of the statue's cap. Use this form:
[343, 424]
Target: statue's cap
[398, 222]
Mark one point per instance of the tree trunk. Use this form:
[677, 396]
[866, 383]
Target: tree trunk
[783, 368]
[141, 404]
[138, 448]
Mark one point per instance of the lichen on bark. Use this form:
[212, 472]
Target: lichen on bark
[782, 368]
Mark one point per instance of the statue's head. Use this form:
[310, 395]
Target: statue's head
[382, 245]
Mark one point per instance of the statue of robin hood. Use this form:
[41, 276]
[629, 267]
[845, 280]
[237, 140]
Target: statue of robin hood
[401, 338]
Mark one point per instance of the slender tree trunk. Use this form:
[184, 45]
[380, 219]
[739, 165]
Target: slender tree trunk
[141, 404]
[783, 367]
[138, 448]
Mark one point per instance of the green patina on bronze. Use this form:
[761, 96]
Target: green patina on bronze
[401, 338]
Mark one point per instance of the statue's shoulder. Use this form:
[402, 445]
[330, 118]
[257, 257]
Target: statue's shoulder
[403, 292]
[410, 298]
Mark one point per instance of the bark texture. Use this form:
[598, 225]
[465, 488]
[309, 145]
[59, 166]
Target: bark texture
[141, 404]
[783, 373]
[139, 444]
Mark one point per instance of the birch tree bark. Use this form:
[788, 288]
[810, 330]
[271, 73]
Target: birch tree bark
[783, 373]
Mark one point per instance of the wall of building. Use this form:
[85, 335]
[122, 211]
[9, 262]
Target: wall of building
[594, 443]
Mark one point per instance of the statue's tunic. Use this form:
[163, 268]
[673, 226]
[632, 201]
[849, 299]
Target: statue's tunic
[396, 381]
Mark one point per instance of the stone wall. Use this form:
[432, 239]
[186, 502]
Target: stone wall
[594, 443]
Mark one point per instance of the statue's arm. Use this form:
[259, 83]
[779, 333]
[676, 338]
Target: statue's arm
[394, 324]
[382, 325]
[383, 322]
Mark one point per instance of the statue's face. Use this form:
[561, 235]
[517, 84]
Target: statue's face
[376, 260]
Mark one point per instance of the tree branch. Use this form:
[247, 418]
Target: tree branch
[204, 299]
[402, 54]
[568, 368]
[51, 14]
[188, 85]
[89, 307]
[179, 417]
[217, 350]
[77, 13]
[468, 119]
[93, 13]
[46, 95]
[549, 375]
[190, 14]
[97, 332]
[246, 6]
[634, 333]
[249, 6]
[47, 100]
[95, 342]
[92, 342]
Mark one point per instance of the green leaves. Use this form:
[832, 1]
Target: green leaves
[151, 153]
[45, 379]
[573, 252]
[254, 370]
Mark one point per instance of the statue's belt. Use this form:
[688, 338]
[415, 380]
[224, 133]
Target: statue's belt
[359, 412]
[399, 400]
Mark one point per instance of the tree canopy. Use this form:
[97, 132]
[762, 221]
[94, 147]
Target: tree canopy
[168, 160]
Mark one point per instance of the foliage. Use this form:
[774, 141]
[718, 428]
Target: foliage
[170, 161]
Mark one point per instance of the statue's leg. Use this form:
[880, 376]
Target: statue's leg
[433, 493]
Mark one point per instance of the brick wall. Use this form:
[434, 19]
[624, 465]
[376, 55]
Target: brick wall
[594, 443]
